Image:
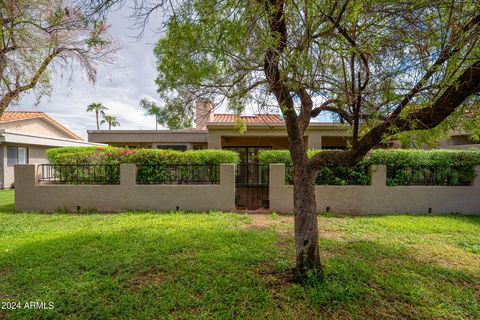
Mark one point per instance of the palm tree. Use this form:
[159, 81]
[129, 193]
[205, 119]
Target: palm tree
[152, 110]
[99, 109]
[111, 120]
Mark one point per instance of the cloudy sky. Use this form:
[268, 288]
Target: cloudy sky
[119, 86]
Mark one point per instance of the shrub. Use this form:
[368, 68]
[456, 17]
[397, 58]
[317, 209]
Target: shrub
[327, 175]
[112, 155]
[437, 167]
[159, 166]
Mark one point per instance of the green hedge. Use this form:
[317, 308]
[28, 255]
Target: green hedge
[158, 164]
[112, 155]
[442, 167]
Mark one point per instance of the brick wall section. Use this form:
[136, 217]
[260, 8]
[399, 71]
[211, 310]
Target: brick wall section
[31, 196]
[377, 198]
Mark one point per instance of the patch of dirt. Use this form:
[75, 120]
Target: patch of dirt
[146, 278]
[333, 235]
[4, 272]
[262, 221]
[330, 230]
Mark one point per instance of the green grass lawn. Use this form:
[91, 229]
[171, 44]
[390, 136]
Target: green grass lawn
[228, 266]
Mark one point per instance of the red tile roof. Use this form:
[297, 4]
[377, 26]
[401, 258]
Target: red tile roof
[258, 118]
[25, 115]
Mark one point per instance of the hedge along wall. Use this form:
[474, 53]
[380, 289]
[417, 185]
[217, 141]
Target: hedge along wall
[112, 155]
[449, 167]
[155, 166]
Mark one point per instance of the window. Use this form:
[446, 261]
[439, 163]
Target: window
[179, 147]
[17, 155]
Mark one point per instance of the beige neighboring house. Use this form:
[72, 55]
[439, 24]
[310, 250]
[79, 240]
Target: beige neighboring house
[24, 137]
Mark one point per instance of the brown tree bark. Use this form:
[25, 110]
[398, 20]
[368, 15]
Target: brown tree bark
[306, 228]
[307, 251]
[14, 93]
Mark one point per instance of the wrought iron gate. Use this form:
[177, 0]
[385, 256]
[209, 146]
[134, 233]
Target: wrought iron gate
[251, 186]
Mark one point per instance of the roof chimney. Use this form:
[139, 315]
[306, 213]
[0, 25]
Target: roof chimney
[203, 113]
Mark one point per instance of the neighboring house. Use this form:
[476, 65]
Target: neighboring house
[220, 131]
[24, 137]
[458, 140]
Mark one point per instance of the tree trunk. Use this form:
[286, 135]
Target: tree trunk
[14, 93]
[98, 124]
[5, 102]
[306, 226]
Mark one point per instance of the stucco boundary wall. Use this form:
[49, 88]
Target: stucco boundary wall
[33, 196]
[377, 198]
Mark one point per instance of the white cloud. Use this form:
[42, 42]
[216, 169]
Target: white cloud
[119, 86]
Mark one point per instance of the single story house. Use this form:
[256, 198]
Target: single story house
[219, 131]
[24, 137]
[264, 131]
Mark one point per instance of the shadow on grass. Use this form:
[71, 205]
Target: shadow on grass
[151, 271]
[371, 280]
[7, 208]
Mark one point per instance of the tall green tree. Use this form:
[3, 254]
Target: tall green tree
[111, 120]
[383, 67]
[174, 115]
[41, 37]
[152, 110]
[99, 109]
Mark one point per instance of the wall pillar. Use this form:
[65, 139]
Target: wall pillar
[25, 176]
[128, 174]
[277, 174]
[280, 195]
[378, 175]
[227, 184]
[476, 181]
[25, 181]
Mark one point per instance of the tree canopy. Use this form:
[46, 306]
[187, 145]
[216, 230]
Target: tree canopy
[363, 61]
[39, 38]
[174, 115]
[383, 67]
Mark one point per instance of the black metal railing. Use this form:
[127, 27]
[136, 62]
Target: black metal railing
[251, 174]
[251, 185]
[178, 174]
[430, 175]
[336, 175]
[79, 174]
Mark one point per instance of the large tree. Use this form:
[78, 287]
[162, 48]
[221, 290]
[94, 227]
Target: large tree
[173, 115]
[41, 37]
[382, 67]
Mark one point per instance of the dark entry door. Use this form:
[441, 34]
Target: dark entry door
[251, 184]
[251, 179]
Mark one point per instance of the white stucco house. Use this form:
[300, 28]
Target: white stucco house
[24, 137]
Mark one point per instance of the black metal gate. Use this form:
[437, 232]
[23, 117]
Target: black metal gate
[251, 186]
